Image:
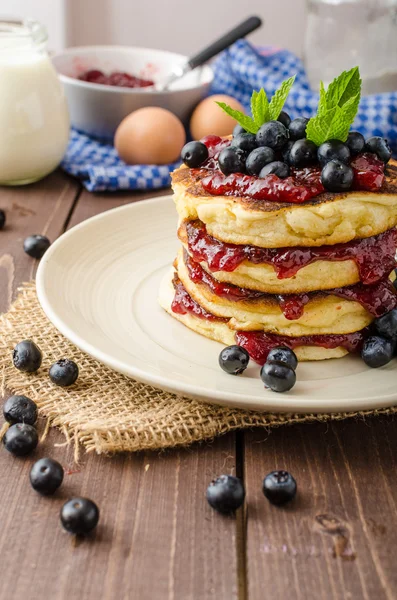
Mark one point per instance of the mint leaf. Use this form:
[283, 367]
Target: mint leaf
[278, 100]
[322, 104]
[245, 121]
[325, 126]
[260, 107]
[343, 87]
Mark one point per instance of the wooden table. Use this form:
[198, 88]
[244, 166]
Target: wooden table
[158, 539]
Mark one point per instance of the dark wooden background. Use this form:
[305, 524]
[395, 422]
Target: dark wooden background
[157, 538]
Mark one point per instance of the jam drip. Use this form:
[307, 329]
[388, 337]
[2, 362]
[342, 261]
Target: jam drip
[183, 303]
[258, 343]
[377, 299]
[374, 256]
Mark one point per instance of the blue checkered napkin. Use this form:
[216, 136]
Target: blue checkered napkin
[242, 68]
[98, 166]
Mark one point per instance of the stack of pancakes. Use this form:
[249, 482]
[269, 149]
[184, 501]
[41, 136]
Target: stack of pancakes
[226, 304]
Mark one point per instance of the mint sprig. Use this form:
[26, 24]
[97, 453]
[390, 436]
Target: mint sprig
[262, 110]
[337, 108]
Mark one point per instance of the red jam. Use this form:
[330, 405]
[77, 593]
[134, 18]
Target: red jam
[377, 299]
[258, 343]
[368, 172]
[117, 78]
[374, 256]
[183, 303]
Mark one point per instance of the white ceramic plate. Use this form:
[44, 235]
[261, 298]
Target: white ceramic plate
[98, 284]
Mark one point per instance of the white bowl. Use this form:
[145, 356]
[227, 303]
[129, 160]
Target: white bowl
[98, 109]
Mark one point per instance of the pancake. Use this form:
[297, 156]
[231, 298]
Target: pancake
[330, 218]
[321, 315]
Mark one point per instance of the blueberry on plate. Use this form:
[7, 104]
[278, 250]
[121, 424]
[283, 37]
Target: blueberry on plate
[20, 439]
[64, 372]
[27, 356]
[337, 177]
[355, 142]
[238, 129]
[333, 150]
[284, 355]
[234, 359]
[297, 128]
[259, 158]
[377, 351]
[231, 160]
[245, 142]
[36, 245]
[2, 218]
[46, 476]
[379, 146]
[20, 409]
[194, 154]
[303, 153]
[277, 376]
[226, 494]
[386, 325]
[279, 487]
[79, 516]
[272, 134]
[277, 167]
[284, 118]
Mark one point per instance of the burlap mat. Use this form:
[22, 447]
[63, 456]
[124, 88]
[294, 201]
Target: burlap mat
[108, 412]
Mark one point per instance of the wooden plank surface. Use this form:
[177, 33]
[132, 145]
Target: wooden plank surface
[157, 537]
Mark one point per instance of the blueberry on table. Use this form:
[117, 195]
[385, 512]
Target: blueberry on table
[377, 351]
[2, 218]
[194, 154]
[386, 325]
[278, 376]
[272, 134]
[303, 153]
[79, 516]
[36, 245]
[379, 146]
[284, 118]
[333, 150]
[337, 177]
[231, 160]
[355, 142]
[20, 409]
[27, 356]
[20, 439]
[238, 129]
[297, 128]
[46, 476]
[226, 494]
[259, 158]
[279, 487]
[284, 355]
[277, 167]
[234, 359]
[245, 142]
[64, 372]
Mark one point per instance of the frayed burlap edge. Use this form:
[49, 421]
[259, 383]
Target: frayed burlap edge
[107, 412]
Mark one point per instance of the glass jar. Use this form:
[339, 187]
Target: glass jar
[341, 34]
[34, 120]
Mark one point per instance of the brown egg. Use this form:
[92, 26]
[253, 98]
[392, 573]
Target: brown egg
[150, 135]
[208, 118]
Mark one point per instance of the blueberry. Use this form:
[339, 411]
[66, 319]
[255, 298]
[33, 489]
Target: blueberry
[46, 476]
[279, 487]
[303, 153]
[259, 158]
[380, 147]
[336, 176]
[284, 355]
[333, 150]
[238, 129]
[278, 376]
[226, 494]
[377, 351]
[272, 134]
[27, 356]
[194, 154]
[20, 439]
[386, 325]
[64, 372]
[285, 152]
[20, 409]
[284, 118]
[355, 142]
[231, 160]
[2, 218]
[234, 360]
[79, 515]
[36, 245]
[277, 167]
[297, 128]
[245, 142]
